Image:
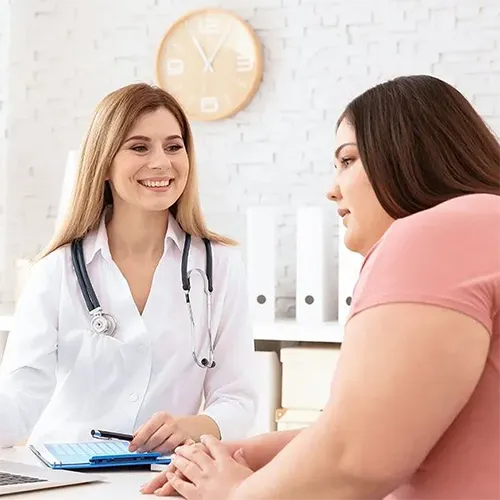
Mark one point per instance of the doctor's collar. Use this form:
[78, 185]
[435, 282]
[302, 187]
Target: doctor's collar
[98, 240]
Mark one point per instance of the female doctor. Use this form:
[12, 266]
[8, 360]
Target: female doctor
[153, 358]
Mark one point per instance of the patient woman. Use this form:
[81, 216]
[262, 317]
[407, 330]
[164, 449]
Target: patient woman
[414, 410]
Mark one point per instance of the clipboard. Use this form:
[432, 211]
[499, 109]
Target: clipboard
[94, 455]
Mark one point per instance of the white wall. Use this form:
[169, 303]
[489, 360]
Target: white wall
[67, 54]
[4, 63]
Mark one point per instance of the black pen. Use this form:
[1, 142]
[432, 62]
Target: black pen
[99, 434]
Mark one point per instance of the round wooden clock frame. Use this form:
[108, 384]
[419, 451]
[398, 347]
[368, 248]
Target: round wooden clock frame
[234, 77]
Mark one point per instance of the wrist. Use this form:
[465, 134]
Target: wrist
[198, 425]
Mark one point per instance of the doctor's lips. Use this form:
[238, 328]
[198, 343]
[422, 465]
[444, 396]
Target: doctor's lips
[343, 212]
[156, 183]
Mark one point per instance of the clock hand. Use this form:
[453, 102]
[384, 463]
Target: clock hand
[206, 63]
[217, 48]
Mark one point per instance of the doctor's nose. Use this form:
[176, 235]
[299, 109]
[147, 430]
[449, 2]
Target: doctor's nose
[159, 160]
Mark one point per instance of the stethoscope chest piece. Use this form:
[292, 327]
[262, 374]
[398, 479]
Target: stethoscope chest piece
[102, 323]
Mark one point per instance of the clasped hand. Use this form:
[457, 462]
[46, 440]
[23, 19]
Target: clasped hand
[209, 470]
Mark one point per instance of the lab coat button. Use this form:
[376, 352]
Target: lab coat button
[134, 397]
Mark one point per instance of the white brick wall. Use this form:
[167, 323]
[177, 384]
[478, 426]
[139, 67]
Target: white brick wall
[4, 58]
[67, 54]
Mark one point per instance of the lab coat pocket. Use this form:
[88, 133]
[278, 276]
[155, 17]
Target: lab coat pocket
[94, 366]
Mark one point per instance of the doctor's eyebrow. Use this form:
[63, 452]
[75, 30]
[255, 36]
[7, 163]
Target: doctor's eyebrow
[148, 139]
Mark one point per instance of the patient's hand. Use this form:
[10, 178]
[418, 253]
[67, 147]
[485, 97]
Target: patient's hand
[163, 487]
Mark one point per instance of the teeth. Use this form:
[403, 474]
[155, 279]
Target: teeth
[155, 183]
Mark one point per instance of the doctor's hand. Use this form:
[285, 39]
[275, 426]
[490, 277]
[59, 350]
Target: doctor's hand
[161, 433]
[161, 486]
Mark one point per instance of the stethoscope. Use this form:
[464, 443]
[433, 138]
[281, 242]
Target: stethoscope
[105, 324]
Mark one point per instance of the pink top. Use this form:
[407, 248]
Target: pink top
[456, 264]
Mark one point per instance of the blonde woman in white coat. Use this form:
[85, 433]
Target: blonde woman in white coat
[136, 198]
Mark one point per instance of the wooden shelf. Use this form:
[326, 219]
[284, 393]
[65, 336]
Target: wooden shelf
[288, 330]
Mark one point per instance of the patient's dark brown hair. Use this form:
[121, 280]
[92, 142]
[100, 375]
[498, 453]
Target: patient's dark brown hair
[421, 143]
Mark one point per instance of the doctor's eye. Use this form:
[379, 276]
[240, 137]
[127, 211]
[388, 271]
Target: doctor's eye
[139, 148]
[173, 148]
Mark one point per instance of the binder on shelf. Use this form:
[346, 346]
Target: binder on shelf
[316, 287]
[261, 262]
[349, 268]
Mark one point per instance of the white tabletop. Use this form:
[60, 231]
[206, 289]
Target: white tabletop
[119, 485]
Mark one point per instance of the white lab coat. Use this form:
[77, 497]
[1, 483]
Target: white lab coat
[59, 380]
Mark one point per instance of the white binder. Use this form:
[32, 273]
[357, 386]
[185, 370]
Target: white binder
[316, 287]
[261, 262]
[349, 268]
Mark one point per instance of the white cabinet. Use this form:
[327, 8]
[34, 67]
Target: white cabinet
[307, 374]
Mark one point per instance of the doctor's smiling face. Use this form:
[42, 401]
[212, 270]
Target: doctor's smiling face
[151, 167]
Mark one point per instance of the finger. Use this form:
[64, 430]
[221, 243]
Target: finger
[157, 482]
[172, 442]
[189, 469]
[148, 429]
[215, 447]
[181, 486]
[240, 458]
[165, 487]
[161, 441]
[196, 455]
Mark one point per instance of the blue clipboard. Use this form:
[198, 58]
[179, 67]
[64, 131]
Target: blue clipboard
[94, 455]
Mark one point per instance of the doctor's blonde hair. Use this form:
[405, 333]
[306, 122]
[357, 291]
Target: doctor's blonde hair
[112, 121]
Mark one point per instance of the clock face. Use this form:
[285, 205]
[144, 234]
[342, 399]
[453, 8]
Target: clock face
[211, 61]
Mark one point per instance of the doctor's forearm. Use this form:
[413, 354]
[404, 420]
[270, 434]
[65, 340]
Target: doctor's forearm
[199, 425]
[12, 429]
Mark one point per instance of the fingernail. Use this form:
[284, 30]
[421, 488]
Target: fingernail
[202, 438]
[132, 447]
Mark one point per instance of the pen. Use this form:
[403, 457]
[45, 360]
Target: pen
[99, 434]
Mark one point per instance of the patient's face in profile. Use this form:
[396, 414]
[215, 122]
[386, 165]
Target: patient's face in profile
[362, 215]
[151, 168]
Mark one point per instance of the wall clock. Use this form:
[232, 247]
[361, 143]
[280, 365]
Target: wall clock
[211, 61]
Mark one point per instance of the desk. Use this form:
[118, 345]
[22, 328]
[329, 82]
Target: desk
[119, 485]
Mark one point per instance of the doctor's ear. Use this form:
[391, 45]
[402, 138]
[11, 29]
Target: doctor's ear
[108, 195]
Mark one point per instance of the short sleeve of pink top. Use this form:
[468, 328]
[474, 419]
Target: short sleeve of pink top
[449, 256]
